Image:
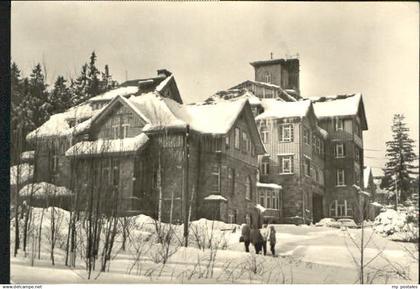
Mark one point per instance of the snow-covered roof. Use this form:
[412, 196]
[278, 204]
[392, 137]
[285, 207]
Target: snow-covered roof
[43, 189]
[284, 93]
[26, 172]
[58, 124]
[121, 91]
[331, 106]
[215, 198]
[164, 83]
[217, 118]
[270, 186]
[366, 174]
[235, 94]
[27, 156]
[154, 109]
[101, 146]
[280, 109]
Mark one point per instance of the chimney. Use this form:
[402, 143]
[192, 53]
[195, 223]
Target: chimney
[164, 72]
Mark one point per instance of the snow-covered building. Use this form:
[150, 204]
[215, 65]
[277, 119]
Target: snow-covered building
[138, 149]
[344, 118]
[314, 146]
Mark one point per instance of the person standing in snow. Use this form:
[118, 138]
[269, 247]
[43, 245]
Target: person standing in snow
[272, 239]
[264, 233]
[256, 239]
[245, 236]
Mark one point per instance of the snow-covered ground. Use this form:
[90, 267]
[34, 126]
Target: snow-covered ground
[306, 254]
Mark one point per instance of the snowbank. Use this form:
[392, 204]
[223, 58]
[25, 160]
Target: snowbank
[43, 189]
[27, 156]
[395, 224]
[26, 172]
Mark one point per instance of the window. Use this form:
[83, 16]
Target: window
[231, 178]
[264, 135]
[245, 142]
[116, 131]
[307, 166]
[306, 136]
[215, 178]
[357, 129]
[286, 133]
[265, 167]
[356, 177]
[339, 150]
[339, 124]
[115, 172]
[286, 164]
[317, 175]
[262, 199]
[269, 199]
[314, 142]
[237, 141]
[227, 142]
[216, 144]
[356, 154]
[340, 177]
[125, 130]
[232, 217]
[54, 163]
[341, 209]
[318, 145]
[268, 77]
[248, 188]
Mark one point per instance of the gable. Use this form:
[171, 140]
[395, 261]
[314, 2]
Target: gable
[117, 112]
[361, 113]
[246, 118]
[169, 89]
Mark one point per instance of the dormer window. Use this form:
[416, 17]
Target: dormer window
[268, 77]
[339, 124]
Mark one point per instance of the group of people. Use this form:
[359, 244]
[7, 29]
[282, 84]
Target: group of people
[259, 238]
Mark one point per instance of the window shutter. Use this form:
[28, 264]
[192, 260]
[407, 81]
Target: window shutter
[280, 133]
[291, 132]
[344, 149]
[291, 164]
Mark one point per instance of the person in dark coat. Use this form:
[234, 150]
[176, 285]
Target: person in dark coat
[245, 236]
[272, 239]
[256, 239]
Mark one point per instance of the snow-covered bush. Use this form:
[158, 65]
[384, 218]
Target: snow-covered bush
[397, 225]
[326, 222]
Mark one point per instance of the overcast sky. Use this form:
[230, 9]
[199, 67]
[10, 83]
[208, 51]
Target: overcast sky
[370, 48]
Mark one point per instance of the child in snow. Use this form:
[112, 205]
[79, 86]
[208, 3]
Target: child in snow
[264, 233]
[272, 239]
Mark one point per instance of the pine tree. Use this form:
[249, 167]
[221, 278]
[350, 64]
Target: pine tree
[60, 96]
[16, 86]
[39, 95]
[93, 88]
[79, 87]
[400, 154]
[107, 83]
